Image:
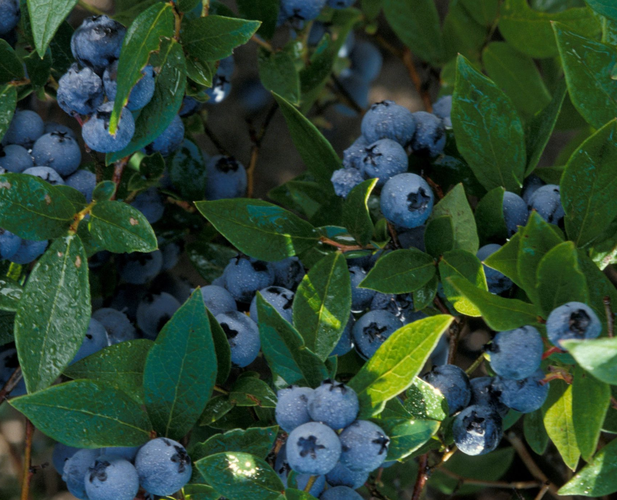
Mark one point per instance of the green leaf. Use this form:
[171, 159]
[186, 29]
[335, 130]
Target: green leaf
[439, 236]
[209, 259]
[187, 170]
[32, 208]
[38, 69]
[455, 205]
[535, 433]
[393, 367]
[251, 391]
[238, 476]
[489, 217]
[53, 314]
[530, 32]
[322, 304]
[257, 441]
[120, 366]
[489, 133]
[407, 435]
[180, 371]
[214, 37]
[483, 11]
[356, 217]
[468, 266]
[603, 250]
[597, 356]
[11, 67]
[142, 37]
[156, 116]
[417, 25]
[118, 227]
[260, 229]
[505, 260]
[104, 191]
[285, 351]
[278, 73]
[45, 19]
[588, 188]
[60, 47]
[201, 72]
[590, 401]
[558, 420]
[8, 102]
[266, 11]
[518, 76]
[401, 271]
[597, 478]
[222, 349]
[498, 313]
[424, 402]
[462, 33]
[10, 293]
[588, 66]
[423, 297]
[604, 7]
[598, 284]
[560, 279]
[86, 414]
[200, 492]
[540, 128]
[7, 320]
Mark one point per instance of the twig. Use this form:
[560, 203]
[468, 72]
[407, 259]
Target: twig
[310, 483]
[421, 478]
[516, 485]
[343, 248]
[118, 171]
[11, 383]
[26, 472]
[614, 402]
[374, 491]
[440, 305]
[262, 43]
[557, 373]
[436, 187]
[257, 140]
[610, 316]
[393, 235]
[445, 457]
[211, 135]
[549, 352]
[184, 205]
[475, 365]
[542, 492]
[417, 81]
[90, 8]
[454, 332]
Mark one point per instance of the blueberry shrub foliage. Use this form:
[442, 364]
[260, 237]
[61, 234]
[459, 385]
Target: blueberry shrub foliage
[326, 356]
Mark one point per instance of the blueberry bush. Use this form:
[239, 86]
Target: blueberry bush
[323, 347]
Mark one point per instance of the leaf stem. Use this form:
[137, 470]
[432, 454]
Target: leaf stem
[218, 388]
[257, 140]
[422, 477]
[343, 248]
[11, 383]
[184, 205]
[79, 216]
[118, 171]
[262, 43]
[212, 136]
[549, 352]
[310, 483]
[475, 365]
[610, 317]
[90, 8]
[27, 471]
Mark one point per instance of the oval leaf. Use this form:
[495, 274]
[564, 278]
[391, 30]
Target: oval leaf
[401, 271]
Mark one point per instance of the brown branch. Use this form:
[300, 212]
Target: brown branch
[11, 383]
[374, 491]
[27, 472]
[417, 81]
[516, 485]
[262, 43]
[118, 171]
[421, 478]
[610, 316]
[542, 492]
[184, 205]
[436, 187]
[440, 305]
[257, 140]
[454, 332]
[549, 352]
[393, 235]
[343, 248]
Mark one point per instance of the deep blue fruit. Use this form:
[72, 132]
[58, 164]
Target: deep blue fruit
[60, 455]
[80, 91]
[477, 430]
[127, 452]
[439, 356]
[413, 238]
[301, 10]
[169, 140]
[218, 300]
[288, 272]
[530, 186]
[340, 493]
[221, 82]
[279, 298]
[141, 93]
[344, 344]
[58, 151]
[407, 200]
[15, 158]
[333, 404]
[383, 159]
[388, 120]
[149, 203]
[76, 469]
[244, 276]
[29, 251]
[9, 244]
[443, 109]
[163, 466]
[97, 42]
[292, 407]
[366, 60]
[573, 320]
[340, 4]
[484, 393]
[345, 179]
[358, 89]
[430, 136]
[119, 328]
[453, 383]
[154, 311]
[25, 128]
[525, 395]
[400, 306]
[139, 268]
[546, 200]
[364, 446]
[496, 281]
[56, 127]
[515, 212]
[313, 448]
[342, 476]
[96, 134]
[372, 330]
[243, 337]
[516, 354]
[360, 297]
[111, 477]
[352, 156]
[47, 174]
[94, 340]
[293, 479]
[226, 178]
[10, 14]
[84, 181]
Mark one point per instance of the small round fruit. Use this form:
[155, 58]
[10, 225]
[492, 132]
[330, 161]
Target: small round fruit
[407, 200]
[573, 320]
[291, 408]
[365, 446]
[516, 354]
[164, 467]
[453, 383]
[313, 448]
[333, 404]
[477, 430]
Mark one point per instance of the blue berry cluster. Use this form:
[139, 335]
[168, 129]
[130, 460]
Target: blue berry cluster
[326, 443]
[161, 467]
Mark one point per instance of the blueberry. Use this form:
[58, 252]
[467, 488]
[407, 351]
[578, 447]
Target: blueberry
[430, 136]
[279, 298]
[111, 477]
[413, 238]
[164, 466]
[119, 328]
[253, 96]
[383, 159]
[546, 200]
[530, 186]
[96, 134]
[334, 404]
[525, 395]
[47, 174]
[218, 300]
[515, 212]
[94, 340]
[244, 276]
[58, 151]
[141, 93]
[477, 430]
[302, 480]
[8, 364]
[60, 455]
[226, 178]
[400, 306]
[80, 91]
[440, 354]
[302, 10]
[352, 156]
[25, 128]
[358, 89]
[516, 354]
[360, 297]
[149, 203]
[10, 14]
[573, 320]
[76, 469]
[299, 481]
[174, 285]
[84, 181]
[344, 180]
[313, 448]
[9, 244]
[243, 337]
[453, 383]
[15, 158]
[340, 493]
[126, 452]
[366, 59]
[484, 393]
[169, 140]
[139, 268]
[190, 106]
[344, 344]
[97, 42]
[221, 82]
[388, 120]
[29, 251]
[364, 446]
[340, 4]
[372, 330]
[292, 407]
[407, 200]
[342, 476]
[443, 109]
[127, 298]
[288, 272]
[57, 127]
[496, 281]
[154, 311]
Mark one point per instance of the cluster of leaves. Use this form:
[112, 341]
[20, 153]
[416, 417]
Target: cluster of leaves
[508, 99]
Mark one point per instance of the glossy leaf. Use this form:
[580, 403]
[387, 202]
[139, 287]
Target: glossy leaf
[10, 293]
[455, 205]
[490, 218]
[401, 271]
[424, 402]
[505, 260]
[322, 304]
[356, 217]
[535, 433]
[257, 441]
[597, 356]
[180, 371]
[187, 171]
[45, 19]
[483, 11]
[604, 7]
[558, 419]
[265, 11]
[53, 315]
[258, 228]
[278, 73]
[598, 285]
[209, 258]
[489, 133]
[462, 33]
[86, 414]
[251, 391]
[465, 265]
[8, 102]
[222, 349]
[400, 358]
[11, 67]
[406, 435]
[598, 478]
